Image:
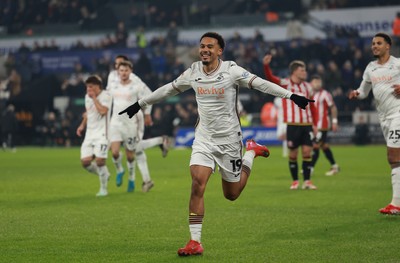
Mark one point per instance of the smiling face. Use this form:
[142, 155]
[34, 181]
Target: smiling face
[379, 47]
[209, 50]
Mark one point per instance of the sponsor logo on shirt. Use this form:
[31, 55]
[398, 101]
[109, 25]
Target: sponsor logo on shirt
[210, 91]
[382, 78]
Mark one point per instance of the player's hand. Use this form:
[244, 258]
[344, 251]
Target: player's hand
[335, 127]
[79, 131]
[148, 121]
[131, 110]
[353, 94]
[300, 101]
[396, 88]
[267, 59]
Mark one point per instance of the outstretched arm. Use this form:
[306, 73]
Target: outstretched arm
[158, 95]
[276, 90]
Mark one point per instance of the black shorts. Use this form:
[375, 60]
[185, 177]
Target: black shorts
[322, 137]
[299, 135]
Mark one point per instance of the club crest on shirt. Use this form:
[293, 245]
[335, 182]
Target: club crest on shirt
[220, 77]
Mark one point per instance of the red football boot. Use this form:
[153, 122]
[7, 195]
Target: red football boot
[390, 210]
[260, 150]
[192, 248]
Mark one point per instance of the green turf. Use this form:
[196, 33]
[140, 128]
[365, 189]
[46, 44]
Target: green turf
[49, 212]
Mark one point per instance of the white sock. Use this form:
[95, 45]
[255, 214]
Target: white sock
[248, 158]
[284, 148]
[396, 186]
[131, 169]
[92, 168]
[148, 143]
[195, 226]
[141, 160]
[195, 232]
[118, 163]
[103, 177]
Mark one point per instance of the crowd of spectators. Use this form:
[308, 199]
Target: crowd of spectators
[20, 15]
[339, 62]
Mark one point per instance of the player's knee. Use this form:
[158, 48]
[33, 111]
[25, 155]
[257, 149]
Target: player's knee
[325, 146]
[115, 154]
[198, 187]
[130, 156]
[100, 162]
[85, 162]
[231, 196]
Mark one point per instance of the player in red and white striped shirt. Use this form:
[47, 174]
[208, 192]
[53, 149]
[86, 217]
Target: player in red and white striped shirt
[299, 122]
[323, 108]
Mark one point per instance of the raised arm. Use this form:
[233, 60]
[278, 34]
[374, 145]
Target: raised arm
[268, 72]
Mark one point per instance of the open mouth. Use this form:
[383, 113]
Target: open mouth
[204, 56]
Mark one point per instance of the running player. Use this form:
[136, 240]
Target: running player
[382, 77]
[123, 130]
[323, 105]
[218, 136]
[299, 130]
[94, 148]
[141, 158]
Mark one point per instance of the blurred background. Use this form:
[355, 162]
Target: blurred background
[49, 47]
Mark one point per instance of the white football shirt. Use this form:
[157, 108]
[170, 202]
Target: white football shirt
[216, 96]
[97, 125]
[125, 95]
[381, 78]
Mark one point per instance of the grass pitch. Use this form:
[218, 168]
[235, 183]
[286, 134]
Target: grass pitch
[49, 212]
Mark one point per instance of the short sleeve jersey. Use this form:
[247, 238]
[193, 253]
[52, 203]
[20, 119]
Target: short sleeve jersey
[97, 124]
[382, 78]
[216, 96]
[124, 96]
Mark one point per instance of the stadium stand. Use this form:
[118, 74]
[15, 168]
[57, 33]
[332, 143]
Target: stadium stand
[31, 84]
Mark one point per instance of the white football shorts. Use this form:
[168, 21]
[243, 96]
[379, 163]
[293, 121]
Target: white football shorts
[228, 157]
[128, 134]
[391, 132]
[97, 147]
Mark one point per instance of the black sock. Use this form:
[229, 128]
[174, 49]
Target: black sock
[294, 170]
[329, 155]
[315, 157]
[306, 169]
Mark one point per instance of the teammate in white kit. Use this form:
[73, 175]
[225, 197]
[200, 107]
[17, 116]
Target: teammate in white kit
[218, 136]
[96, 119]
[114, 81]
[382, 76]
[123, 130]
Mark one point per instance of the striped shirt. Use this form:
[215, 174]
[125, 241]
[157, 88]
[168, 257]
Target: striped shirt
[292, 114]
[323, 101]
